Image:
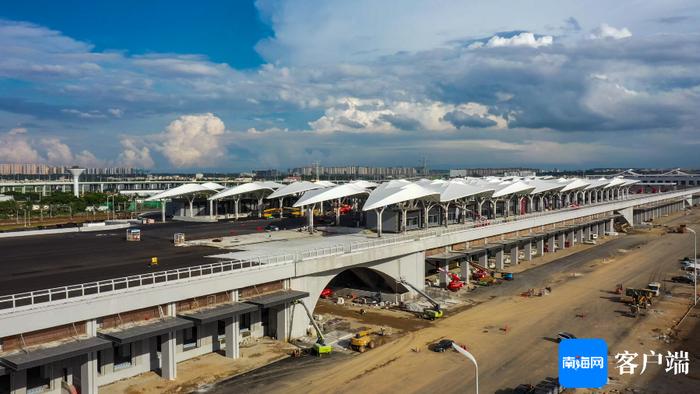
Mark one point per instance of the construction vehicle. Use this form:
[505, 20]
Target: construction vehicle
[655, 287]
[320, 347]
[435, 312]
[638, 297]
[362, 341]
[455, 283]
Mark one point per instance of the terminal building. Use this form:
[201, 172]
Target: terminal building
[124, 318]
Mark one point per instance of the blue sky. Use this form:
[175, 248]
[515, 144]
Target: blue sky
[174, 85]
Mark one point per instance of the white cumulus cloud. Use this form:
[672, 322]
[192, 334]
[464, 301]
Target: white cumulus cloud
[134, 155]
[194, 140]
[16, 148]
[352, 114]
[606, 31]
[525, 39]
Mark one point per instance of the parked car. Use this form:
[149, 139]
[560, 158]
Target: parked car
[565, 335]
[682, 279]
[271, 227]
[443, 345]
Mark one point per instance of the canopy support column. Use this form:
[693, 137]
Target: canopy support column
[211, 209]
[311, 218]
[235, 207]
[162, 210]
[446, 208]
[281, 207]
[337, 213]
[191, 200]
[379, 212]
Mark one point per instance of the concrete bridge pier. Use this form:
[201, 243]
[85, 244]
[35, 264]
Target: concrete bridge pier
[528, 251]
[570, 238]
[499, 259]
[540, 247]
[464, 271]
[514, 255]
[560, 241]
[550, 244]
[484, 259]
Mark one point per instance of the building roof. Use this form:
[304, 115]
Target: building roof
[597, 183]
[277, 298]
[187, 189]
[397, 191]
[298, 188]
[154, 328]
[544, 185]
[456, 188]
[517, 187]
[247, 188]
[575, 184]
[332, 193]
[615, 182]
[219, 312]
[29, 359]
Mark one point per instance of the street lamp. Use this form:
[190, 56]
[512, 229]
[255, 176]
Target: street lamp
[695, 266]
[468, 355]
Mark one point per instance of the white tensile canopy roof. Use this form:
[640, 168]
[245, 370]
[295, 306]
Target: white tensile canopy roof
[544, 185]
[332, 193]
[615, 182]
[187, 189]
[575, 184]
[455, 189]
[396, 191]
[596, 183]
[298, 187]
[246, 188]
[517, 187]
[629, 182]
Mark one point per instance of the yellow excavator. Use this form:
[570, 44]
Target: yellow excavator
[431, 313]
[320, 347]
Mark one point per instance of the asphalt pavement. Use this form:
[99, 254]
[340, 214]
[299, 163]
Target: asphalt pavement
[42, 262]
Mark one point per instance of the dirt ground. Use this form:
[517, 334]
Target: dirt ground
[199, 373]
[512, 336]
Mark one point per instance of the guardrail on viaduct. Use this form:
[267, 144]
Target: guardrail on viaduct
[14, 302]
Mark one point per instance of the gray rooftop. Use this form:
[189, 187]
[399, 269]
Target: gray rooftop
[219, 312]
[28, 359]
[135, 333]
[277, 298]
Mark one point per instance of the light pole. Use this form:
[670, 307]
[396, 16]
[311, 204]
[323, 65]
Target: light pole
[468, 355]
[695, 266]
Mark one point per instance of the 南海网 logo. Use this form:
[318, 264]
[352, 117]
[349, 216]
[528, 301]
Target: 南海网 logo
[583, 363]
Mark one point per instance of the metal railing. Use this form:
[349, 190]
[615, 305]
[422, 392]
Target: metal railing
[14, 301]
[152, 279]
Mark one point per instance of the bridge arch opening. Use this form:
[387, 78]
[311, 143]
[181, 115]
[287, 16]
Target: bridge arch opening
[363, 281]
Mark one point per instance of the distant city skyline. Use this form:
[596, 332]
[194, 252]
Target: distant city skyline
[236, 86]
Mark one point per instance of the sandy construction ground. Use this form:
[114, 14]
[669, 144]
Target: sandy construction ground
[512, 336]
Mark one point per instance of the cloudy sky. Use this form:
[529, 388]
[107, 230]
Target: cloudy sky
[176, 85]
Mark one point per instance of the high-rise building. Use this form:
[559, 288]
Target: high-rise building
[44, 169]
